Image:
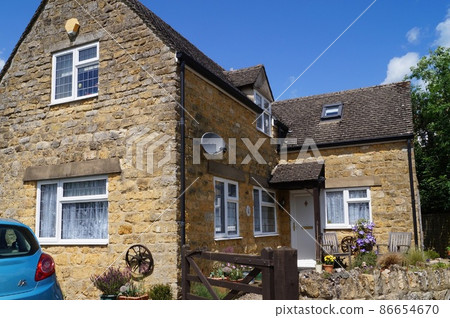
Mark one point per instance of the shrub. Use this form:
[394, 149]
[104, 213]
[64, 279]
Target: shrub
[364, 260]
[161, 292]
[109, 282]
[364, 236]
[388, 259]
[431, 254]
[415, 256]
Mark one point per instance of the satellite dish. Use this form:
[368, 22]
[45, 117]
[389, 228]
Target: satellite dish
[213, 144]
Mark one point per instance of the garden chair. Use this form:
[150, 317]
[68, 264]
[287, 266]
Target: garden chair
[399, 242]
[331, 246]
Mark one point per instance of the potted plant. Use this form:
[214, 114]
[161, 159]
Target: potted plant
[110, 281]
[329, 263]
[130, 291]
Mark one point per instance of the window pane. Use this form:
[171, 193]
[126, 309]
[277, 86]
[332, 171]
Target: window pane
[335, 207]
[331, 111]
[268, 219]
[87, 54]
[358, 211]
[353, 194]
[268, 197]
[256, 211]
[87, 80]
[259, 121]
[219, 210]
[47, 209]
[87, 220]
[258, 100]
[267, 123]
[266, 105]
[232, 218]
[232, 190]
[92, 187]
[16, 242]
[63, 81]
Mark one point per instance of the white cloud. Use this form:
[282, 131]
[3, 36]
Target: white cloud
[2, 63]
[398, 67]
[443, 29]
[413, 35]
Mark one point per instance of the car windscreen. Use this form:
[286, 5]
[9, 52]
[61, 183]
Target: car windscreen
[16, 241]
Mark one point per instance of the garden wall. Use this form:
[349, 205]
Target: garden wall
[399, 283]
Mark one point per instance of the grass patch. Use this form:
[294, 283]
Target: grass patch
[200, 290]
[415, 256]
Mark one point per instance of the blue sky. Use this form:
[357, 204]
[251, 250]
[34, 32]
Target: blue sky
[288, 35]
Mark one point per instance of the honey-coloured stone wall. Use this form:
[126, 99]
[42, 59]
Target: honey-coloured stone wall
[212, 110]
[138, 92]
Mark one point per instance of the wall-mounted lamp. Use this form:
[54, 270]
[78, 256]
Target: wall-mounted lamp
[72, 28]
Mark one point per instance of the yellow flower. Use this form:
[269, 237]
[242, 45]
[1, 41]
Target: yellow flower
[329, 259]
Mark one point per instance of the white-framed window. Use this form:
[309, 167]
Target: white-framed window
[343, 207]
[73, 211]
[264, 120]
[264, 212]
[226, 208]
[75, 73]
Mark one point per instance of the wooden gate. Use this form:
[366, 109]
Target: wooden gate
[278, 267]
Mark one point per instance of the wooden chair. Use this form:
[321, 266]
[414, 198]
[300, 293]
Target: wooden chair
[330, 246]
[399, 242]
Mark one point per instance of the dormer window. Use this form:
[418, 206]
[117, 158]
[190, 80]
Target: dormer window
[332, 111]
[264, 120]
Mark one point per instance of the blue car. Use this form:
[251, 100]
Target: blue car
[25, 271]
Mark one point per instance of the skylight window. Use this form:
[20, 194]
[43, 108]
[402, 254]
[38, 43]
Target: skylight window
[332, 111]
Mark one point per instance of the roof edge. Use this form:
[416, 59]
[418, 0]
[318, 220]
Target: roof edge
[359, 141]
[218, 81]
[406, 84]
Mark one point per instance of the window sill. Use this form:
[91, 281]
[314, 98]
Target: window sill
[68, 101]
[228, 238]
[266, 235]
[72, 243]
[338, 227]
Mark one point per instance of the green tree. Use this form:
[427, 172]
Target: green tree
[431, 104]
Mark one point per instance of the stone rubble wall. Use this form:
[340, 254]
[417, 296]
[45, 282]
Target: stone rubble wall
[396, 283]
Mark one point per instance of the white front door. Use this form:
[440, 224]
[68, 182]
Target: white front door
[302, 228]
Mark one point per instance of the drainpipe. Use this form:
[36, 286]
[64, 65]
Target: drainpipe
[413, 196]
[182, 155]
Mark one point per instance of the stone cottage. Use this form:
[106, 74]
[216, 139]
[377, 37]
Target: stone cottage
[103, 107]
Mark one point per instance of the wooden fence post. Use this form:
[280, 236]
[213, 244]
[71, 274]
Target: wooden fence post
[267, 274]
[185, 269]
[285, 276]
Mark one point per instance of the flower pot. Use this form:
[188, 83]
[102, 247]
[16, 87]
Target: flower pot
[328, 268]
[142, 297]
[108, 297]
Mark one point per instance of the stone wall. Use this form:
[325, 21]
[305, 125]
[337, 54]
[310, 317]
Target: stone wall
[382, 167]
[215, 111]
[138, 90]
[397, 283]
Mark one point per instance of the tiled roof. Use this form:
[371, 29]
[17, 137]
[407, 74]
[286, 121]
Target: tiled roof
[296, 173]
[244, 76]
[377, 112]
